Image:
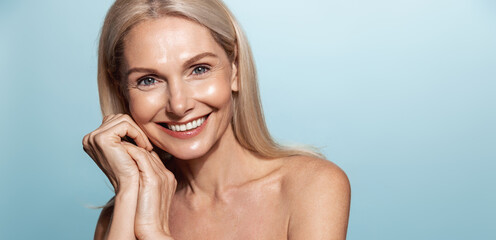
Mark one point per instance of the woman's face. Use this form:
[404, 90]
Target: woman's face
[180, 85]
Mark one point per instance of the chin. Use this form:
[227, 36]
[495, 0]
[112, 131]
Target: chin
[189, 150]
[188, 155]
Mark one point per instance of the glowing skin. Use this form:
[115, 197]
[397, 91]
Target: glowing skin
[176, 73]
[176, 76]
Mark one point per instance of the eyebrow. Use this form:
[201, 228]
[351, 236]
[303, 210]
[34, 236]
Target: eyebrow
[185, 65]
[198, 57]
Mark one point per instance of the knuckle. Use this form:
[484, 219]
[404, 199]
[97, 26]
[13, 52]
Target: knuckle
[98, 138]
[163, 177]
[156, 178]
[126, 117]
[170, 175]
[91, 136]
[172, 185]
[125, 124]
[85, 140]
[139, 153]
[152, 180]
[86, 147]
[155, 155]
[90, 140]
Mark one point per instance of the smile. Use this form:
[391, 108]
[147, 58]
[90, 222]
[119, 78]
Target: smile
[185, 130]
[187, 126]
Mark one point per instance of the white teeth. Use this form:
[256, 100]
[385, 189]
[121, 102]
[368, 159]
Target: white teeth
[188, 126]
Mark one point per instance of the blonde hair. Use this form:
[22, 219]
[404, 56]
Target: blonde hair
[248, 121]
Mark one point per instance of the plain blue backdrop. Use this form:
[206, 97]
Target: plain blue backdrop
[400, 93]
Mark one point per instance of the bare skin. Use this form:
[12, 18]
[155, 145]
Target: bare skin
[278, 205]
[230, 193]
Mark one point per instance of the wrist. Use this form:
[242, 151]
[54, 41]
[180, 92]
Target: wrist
[127, 186]
[126, 192]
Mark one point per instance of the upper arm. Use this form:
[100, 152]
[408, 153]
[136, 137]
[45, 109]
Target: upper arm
[104, 220]
[320, 204]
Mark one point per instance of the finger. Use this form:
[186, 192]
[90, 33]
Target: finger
[155, 154]
[125, 128]
[109, 118]
[169, 188]
[142, 158]
[150, 188]
[140, 138]
[90, 151]
[156, 162]
[105, 118]
[159, 165]
[128, 118]
[168, 178]
[166, 175]
[86, 145]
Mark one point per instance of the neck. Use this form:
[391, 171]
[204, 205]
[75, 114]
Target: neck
[226, 166]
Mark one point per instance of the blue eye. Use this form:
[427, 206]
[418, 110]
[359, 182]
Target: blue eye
[200, 70]
[147, 81]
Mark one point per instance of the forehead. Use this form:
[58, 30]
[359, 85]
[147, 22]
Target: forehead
[168, 40]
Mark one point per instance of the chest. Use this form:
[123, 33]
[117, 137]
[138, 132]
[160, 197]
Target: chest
[247, 215]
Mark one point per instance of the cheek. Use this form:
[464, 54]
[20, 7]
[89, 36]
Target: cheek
[217, 93]
[144, 105]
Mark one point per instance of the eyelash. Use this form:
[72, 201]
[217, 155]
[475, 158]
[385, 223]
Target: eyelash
[141, 80]
[204, 67]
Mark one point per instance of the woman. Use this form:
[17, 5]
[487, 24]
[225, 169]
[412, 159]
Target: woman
[183, 140]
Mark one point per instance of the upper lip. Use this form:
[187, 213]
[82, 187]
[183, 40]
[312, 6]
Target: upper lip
[183, 122]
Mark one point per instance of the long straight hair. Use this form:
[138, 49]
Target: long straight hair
[248, 121]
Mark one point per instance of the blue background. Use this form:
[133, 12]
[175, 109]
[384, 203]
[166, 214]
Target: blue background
[400, 93]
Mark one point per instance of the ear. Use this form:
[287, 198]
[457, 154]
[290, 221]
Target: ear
[234, 77]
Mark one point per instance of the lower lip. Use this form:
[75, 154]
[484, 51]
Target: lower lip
[185, 134]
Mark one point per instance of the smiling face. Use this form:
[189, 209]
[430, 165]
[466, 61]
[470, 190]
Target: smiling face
[180, 83]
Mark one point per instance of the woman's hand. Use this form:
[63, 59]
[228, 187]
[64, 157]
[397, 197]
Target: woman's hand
[105, 147]
[157, 186]
[144, 187]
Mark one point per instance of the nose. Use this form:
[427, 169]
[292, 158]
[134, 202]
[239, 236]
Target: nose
[180, 100]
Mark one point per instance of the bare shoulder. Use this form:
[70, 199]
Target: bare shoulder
[318, 195]
[304, 172]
